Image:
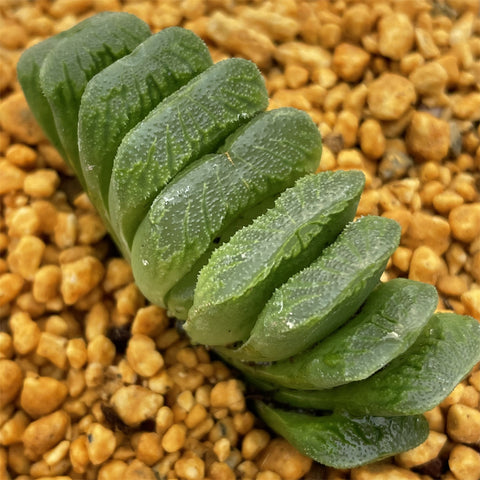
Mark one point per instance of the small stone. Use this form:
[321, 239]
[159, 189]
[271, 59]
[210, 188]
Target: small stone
[463, 424]
[426, 266]
[135, 404]
[390, 96]
[101, 443]
[17, 120]
[228, 394]
[467, 107]
[80, 277]
[471, 301]
[349, 62]
[11, 377]
[394, 165]
[309, 56]
[44, 433]
[428, 137]
[395, 35]
[280, 457]
[427, 230]
[429, 79]
[42, 395]
[465, 222]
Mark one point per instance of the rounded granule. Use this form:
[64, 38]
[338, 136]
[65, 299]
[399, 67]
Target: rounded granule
[96, 384]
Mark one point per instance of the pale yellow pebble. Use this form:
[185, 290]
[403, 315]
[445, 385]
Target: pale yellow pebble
[427, 230]
[254, 442]
[268, 475]
[11, 177]
[43, 434]
[21, 155]
[471, 301]
[430, 79]
[24, 221]
[325, 77]
[129, 299]
[42, 395]
[57, 454]
[220, 471]
[395, 35]
[425, 452]
[26, 257]
[80, 277]
[426, 266]
[13, 429]
[467, 107]
[91, 229]
[464, 462]
[358, 21]
[464, 221]
[135, 403]
[76, 352]
[46, 283]
[101, 443]
[463, 424]
[445, 201]
[53, 348]
[6, 346]
[349, 62]
[174, 438]
[381, 471]
[25, 333]
[425, 44]
[280, 457]
[453, 397]
[17, 120]
[372, 140]
[347, 126]
[41, 183]
[410, 62]
[296, 76]
[112, 469]
[11, 378]
[228, 394]
[150, 321]
[309, 56]
[143, 356]
[101, 350]
[390, 96]
[428, 137]
[241, 39]
[65, 230]
[452, 285]
[401, 258]
[436, 419]
[149, 448]
[118, 274]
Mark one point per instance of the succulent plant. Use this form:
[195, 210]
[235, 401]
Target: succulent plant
[216, 204]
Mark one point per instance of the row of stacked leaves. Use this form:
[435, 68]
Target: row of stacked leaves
[216, 204]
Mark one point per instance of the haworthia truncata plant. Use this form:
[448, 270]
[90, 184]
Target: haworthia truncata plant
[217, 205]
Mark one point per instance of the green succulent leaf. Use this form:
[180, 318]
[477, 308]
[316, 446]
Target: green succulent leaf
[188, 124]
[391, 319]
[322, 297]
[125, 92]
[199, 203]
[343, 441]
[79, 55]
[414, 382]
[28, 72]
[243, 273]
